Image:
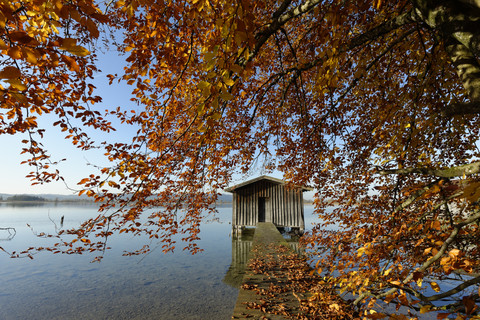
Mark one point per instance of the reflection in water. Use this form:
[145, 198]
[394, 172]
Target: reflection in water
[24, 204]
[241, 246]
[7, 234]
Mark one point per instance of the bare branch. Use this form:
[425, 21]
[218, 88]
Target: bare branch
[453, 291]
[414, 197]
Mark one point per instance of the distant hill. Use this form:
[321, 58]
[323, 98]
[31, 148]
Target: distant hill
[226, 198]
[25, 197]
[45, 197]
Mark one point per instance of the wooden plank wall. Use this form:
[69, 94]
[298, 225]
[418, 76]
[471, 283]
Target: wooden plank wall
[286, 205]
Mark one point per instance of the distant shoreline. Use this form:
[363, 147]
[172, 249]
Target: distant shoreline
[47, 201]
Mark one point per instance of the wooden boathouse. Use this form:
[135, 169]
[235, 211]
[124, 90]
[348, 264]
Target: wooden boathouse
[267, 199]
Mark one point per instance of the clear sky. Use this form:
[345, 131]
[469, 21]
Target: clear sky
[12, 173]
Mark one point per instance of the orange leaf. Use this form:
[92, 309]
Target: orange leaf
[92, 28]
[14, 53]
[16, 84]
[454, 253]
[20, 36]
[30, 55]
[10, 73]
[3, 45]
[83, 181]
[71, 63]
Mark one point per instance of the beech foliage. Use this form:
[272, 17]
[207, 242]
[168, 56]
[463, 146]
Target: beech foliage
[374, 103]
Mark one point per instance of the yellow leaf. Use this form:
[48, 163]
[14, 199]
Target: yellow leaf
[360, 252]
[10, 73]
[435, 286]
[453, 253]
[240, 36]
[425, 309]
[216, 115]
[205, 87]
[78, 51]
[472, 191]
[3, 20]
[226, 96]
[209, 56]
[334, 306]
[202, 128]
[19, 97]
[17, 84]
[30, 55]
[419, 282]
[229, 82]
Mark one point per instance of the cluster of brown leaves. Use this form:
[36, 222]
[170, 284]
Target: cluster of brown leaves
[289, 274]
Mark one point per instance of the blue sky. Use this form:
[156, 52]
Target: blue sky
[76, 166]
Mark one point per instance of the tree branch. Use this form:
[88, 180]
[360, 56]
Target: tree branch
[466, 169]
[458, 24]
[414, 197]
[468, 68]
[450, 292]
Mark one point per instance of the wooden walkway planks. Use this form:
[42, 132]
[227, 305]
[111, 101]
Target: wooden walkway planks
[265, 234]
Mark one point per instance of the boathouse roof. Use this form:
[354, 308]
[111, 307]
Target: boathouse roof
[267, 178]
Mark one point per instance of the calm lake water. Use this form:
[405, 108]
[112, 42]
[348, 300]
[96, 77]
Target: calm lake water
[155, 286]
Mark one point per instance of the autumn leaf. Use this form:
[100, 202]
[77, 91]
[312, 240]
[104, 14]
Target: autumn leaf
[72, 64]
[14, 52]
[20, 36]
[435, 286]
[425, 309]
[31, 56]
[16, 84]
[226, 96]
[77, 50]
[10, 73]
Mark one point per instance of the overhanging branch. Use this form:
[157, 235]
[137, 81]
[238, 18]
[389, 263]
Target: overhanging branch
[453, 172]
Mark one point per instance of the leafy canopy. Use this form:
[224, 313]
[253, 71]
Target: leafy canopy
[375, 103]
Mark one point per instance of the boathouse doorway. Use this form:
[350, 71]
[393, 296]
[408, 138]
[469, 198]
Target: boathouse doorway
[263, 204]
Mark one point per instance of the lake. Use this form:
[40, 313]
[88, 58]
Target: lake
[153, 286]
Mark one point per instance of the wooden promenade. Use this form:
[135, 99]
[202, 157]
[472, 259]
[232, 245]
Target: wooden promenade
[265, 238]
